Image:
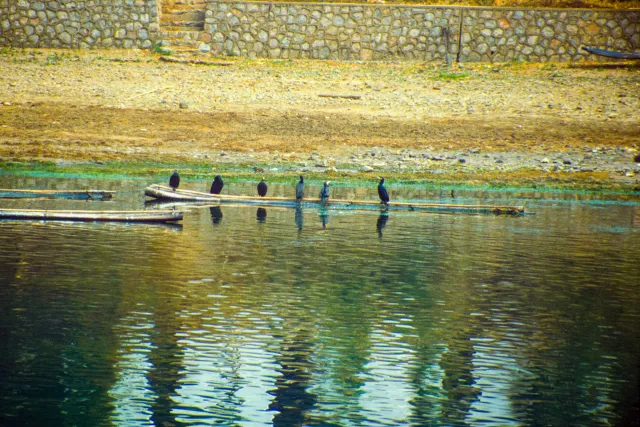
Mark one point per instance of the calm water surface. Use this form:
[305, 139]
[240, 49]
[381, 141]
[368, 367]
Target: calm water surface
[247, 317]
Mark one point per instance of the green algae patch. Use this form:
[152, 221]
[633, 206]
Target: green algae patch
[592, 182]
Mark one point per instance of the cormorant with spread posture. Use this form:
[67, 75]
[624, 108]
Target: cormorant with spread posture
[382, 192]
[300, 189]
[324, 193]
[174, 181]
[216, 185]
[262, 188]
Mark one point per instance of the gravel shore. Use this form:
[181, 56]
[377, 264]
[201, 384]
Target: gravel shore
[496, 122]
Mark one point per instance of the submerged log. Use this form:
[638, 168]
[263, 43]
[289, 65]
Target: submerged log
[80, 215]
[162, 192]
[56, 194]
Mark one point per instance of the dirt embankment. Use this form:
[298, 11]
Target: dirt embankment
[404, 119]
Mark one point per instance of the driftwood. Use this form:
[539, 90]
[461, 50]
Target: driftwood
[79, 215]
[162, 192]
[329, 95]
[195, 61]
[56, 194]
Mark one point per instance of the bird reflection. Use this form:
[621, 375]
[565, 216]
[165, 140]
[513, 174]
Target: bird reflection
[381, 223]
[324, 217]
[261, 214]
[299, 218]
[216, 214]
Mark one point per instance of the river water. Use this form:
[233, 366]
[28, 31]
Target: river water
[247, 317]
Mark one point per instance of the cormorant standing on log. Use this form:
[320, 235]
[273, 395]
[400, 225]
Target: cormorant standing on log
[216, 186]
[262, 188]
[324, 193]
[174, 181]
[300, 189]
[382, 192]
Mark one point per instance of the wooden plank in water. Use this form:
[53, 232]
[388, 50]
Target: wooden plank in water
[56, 194]
[84, 215]
[162, 192]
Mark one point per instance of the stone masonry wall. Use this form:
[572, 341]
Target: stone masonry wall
[78, 23]
[380, 32]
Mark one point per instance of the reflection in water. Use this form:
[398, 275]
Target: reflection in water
[291, 397]
[464, 320]
[324, 218]
[381, 222]
[216, 214]
[299, 218]
[261, 214]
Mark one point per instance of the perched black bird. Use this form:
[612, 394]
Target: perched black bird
[216, 185]
[262, 188]
[382, 192]
[174, 181]
[324, 193]
[637, 158]
[300, 189]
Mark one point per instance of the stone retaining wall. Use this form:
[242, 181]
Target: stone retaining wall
[380, 32]
[330, 31]
[78, 23]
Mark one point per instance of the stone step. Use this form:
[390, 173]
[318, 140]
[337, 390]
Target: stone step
[202, 3]
[175, 10]
[173, 34]
[185, 24]
[184, 15]
[182, 25]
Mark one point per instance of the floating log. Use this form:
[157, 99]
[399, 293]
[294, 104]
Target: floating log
[612, 53]
[162, 192]
[56, 194]
[79, 215]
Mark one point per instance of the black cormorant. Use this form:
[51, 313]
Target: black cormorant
[300, 189]
[324, 193]
[382, 192]
[216, 185]
[174, 181]
[262, 188]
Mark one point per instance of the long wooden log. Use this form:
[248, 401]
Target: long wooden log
[84, 215]
[162, 192]
[56, 194]
[196, 61]
[333, 95]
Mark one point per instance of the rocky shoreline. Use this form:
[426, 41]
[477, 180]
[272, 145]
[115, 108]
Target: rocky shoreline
[488, 124]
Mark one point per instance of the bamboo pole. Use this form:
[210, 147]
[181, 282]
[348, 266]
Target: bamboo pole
[64, 194]
[87, 215]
